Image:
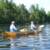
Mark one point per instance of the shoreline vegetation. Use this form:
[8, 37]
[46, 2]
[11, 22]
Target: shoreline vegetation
[10, 11]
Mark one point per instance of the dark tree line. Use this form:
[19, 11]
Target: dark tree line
[10, 11]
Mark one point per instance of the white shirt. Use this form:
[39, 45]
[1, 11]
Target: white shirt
[32, 26]
[12, 28]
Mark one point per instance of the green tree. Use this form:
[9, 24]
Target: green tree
[24, 14]
[37, 15]
[48, 17]
[34, 13]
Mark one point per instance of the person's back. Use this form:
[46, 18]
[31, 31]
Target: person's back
[12, 27]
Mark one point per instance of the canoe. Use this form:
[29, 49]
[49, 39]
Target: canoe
[9, 35]
[22, 33]
[13, 35]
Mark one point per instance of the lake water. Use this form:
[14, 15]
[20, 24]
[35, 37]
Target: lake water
[40, 42]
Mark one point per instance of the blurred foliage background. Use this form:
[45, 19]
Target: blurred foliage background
[10, 11]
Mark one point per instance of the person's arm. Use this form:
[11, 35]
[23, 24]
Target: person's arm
[14, 28]
[34, 26]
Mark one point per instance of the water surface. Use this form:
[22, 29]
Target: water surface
[40, 42]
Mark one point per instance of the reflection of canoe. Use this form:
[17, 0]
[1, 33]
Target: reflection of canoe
[25, 32]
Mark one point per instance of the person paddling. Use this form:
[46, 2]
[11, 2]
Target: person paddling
[33, 27]
[13, 27]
